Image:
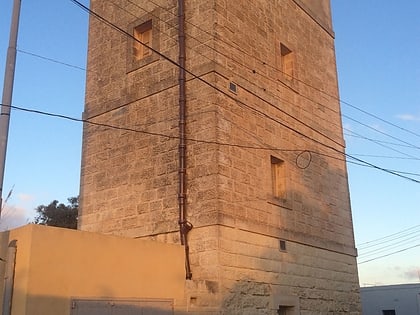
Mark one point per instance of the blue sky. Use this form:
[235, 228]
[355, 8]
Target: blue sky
[377, 48]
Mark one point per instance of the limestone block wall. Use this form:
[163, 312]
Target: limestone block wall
[270, 94]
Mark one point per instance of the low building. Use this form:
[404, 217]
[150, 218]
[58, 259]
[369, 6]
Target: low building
[52, 271]
[403, 299]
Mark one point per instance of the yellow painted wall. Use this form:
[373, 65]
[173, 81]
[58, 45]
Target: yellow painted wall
[4, 240]
[53, 265]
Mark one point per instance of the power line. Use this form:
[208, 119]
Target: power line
[243, 64]
[379, 142]
[253, 93]
[268, 148]
[360, 162]
[230, 58]
[112, 25]
[199, 78]
[393, 253]
[264, 63]
[385, 156]
[386, 146]
[381, 119]
[388, 236]
[401, 174]
[50, 59]
[356, 135]
[241, 86]
[381, 132]
[390, 246]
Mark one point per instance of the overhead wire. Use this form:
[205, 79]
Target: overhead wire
[263, 62]
[385, 146]
[105, 125]
[368, 243]
[50, 59]
[253, 71]
[381, 132]
[112, 25]
[239, 85]
[354, 134]
[125, 104]
[389, 254]
[359, 161]
[269, 148]
[387, 247]
[80, 68]
[199, 78]
[387, 243]
[132, 129]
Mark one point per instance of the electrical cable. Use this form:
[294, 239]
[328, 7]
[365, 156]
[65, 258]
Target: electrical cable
[77, 67]
[390, 246]
[50, 59]
[351, 135]
[241, 86]
[119, 29]
[393, 253]
[383, 133]
[105, 21]
[242, 51]
[221, 91]
[356, 135]
[390, 235]
[362, 163]
[88, 121]
[387, 147]
[253, 93]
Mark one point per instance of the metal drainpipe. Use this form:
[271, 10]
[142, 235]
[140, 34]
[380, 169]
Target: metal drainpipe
[9, 278]
[184, 225]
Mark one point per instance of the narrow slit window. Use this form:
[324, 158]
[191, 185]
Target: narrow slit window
[278, 174]
[143, 34]
[287, 62]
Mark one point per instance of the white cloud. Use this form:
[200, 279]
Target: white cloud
[25, 197]
[13, 217]
[408, 117]
[412, 274]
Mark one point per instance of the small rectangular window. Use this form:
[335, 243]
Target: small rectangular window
[233, 87]
[388, 312]
[278, 174]
[287, 62]
[282, 245]
[285, 310]
[143, 35]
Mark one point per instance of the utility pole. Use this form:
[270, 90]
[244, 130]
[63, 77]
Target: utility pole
[6, 102]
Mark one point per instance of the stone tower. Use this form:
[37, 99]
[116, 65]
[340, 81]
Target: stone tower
[238, 155]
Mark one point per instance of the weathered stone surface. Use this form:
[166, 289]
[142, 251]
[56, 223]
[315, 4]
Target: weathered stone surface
[129, 178]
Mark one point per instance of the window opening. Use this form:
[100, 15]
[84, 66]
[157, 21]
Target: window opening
[287, 62]
[282, 245]
[278, 173]
[143, 34]
[285, 310]
[388, 312]
[232, 87]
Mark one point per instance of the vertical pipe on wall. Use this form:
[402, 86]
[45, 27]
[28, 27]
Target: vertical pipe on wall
[184, 225]
[9, 278]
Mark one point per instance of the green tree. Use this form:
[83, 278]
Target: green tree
[59, 214]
